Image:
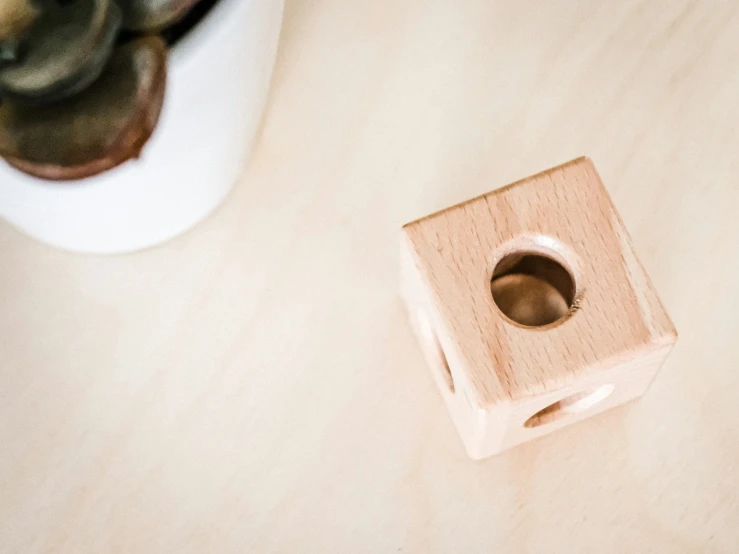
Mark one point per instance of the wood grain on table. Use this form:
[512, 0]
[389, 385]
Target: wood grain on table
[254, 386]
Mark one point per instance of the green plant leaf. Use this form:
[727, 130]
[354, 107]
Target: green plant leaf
[154, 15]
[96, 130]
[64, 51]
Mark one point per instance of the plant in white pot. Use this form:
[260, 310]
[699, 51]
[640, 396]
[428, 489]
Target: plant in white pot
[124, 122]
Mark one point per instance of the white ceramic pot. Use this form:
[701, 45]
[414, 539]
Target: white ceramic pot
[218, 78]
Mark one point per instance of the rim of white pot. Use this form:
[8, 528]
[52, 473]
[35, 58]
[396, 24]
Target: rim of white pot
[191, 40]
[186, 53]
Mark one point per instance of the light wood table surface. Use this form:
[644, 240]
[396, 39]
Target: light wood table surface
[253, 386]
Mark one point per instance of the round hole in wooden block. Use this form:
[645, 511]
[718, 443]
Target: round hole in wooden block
[531, 289]
[573, 404]
[439, 363]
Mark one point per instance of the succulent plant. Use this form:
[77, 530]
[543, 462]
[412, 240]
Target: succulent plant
[82, 82]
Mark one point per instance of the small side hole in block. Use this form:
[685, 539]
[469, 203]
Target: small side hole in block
[573, 404]
[439, 363]
[532, 290]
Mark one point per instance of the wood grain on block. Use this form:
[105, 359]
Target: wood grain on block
[532, 307]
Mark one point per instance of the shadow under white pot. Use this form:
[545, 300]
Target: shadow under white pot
[218, 79]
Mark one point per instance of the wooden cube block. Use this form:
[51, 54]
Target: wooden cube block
[532, 308]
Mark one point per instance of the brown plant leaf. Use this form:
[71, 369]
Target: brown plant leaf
[96, 130]
[65, 50]
[15, 17]
[154, 15]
